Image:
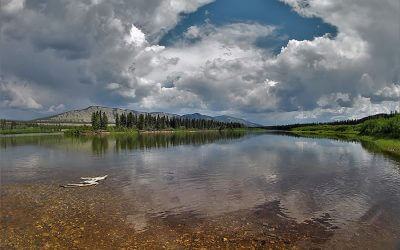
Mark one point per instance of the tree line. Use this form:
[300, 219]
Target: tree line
[340, 122]
[3, 124]
[382, 126]
[99, 120]
[11, 124]
[151, 122]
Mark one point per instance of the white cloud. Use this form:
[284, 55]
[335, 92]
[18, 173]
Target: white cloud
[333, 100]
[17, 95]
[83, 46]
[56, 108]
[11, 6]
[270, 83]
[390, 92]
[225, 70]
[136, 37]
[193, 32]
[218, 72]
[113, 86]
[362, 107]
[154, 48]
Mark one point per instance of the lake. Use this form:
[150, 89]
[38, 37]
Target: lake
[194, 190]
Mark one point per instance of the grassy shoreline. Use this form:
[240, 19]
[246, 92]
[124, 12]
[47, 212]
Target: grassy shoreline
[136, 131]
[112, 131]
[376, 143]
[378, 133]
[19, 131]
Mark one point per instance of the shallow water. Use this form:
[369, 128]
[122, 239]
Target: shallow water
[198, 190]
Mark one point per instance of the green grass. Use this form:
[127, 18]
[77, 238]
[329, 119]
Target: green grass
[180, 130]
[389, 145]
[382, 127]
[123, 131]
[382, 134]
[34, 130]
[324, 129]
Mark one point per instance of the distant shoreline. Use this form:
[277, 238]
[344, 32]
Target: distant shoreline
[127, 132]
[30, 134]
[385, 144]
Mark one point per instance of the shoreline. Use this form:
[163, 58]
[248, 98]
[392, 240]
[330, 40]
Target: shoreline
[384, 144]
[128, 132]
[31, 134]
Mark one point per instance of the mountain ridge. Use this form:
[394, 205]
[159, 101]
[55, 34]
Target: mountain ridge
[84, 116]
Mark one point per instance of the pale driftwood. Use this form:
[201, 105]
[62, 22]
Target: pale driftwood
[100, 178]
[87, 181]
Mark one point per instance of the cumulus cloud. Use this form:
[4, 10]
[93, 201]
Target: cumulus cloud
[326, 77]
[136, 37]
[17, 95]
[361, 107]
[221, 70]
[77, 48]
[357, 61]
[387, 93]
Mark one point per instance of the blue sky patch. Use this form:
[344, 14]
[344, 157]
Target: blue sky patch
[269, 12]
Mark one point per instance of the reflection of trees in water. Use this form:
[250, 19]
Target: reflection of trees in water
[373, 148]
[165, 140]
[41, 140]
[14, 141]
[369, 146]
[99, 145]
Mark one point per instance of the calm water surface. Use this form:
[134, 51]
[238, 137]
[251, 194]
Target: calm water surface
[198, 190]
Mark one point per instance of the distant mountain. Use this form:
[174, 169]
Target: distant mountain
[197, 116]
[225, 118]
[85, 115]
[221, 118]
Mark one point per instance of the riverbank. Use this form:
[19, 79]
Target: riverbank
[88, 132]
[113, 131]
[383, 144]
[37, 130]
[379, 132]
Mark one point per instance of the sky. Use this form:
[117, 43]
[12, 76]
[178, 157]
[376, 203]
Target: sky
[267, 61]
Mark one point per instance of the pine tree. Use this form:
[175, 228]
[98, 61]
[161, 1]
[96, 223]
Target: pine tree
[96, 120]
[93, 120]
[135, 120]
[129, 120]
[158, 122]
[162, 125]
[117, 121]
[146, 121]
[122, 120]
[104, 121]
[100, 120]
[3, 124]
[141, 122]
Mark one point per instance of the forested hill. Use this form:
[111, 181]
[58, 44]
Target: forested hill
[342, 122]
[84, 116]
